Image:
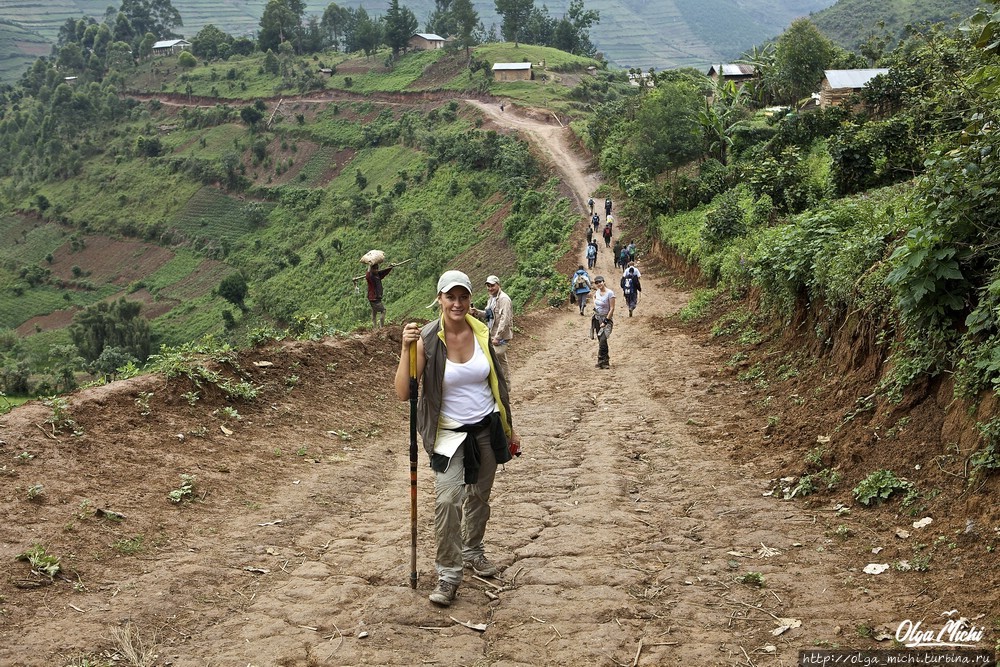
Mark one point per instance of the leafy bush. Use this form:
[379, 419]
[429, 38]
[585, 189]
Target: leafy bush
[726, 220]
[878, 486]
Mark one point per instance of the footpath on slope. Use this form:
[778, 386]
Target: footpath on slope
[624, 529]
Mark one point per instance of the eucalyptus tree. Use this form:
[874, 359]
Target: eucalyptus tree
[515, 15]
[333, 22]
[400, 24]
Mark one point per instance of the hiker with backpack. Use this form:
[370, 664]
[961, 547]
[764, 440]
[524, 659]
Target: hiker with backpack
[602, 322]
[616, 252]
[590, 234]
[631, 287]
[592, 254]
[464, 420]
[631, 251]
[590, 203]
[623, 257]
[580, 287]
[607, 236]
[595, 220]
[607, 207]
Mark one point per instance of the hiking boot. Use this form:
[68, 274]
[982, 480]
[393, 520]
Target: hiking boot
[444, 593]
[482, 566]
[630, 312]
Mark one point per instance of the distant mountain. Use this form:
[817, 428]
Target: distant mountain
[663, 34]
[850, 22]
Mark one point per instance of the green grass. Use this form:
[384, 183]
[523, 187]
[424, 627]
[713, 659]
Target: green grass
[27, 241]
[131, 196]
[191, 321]
[37, 346]
[403, 74]
[556, 60]
[218, 141]
[177, 269]
[331, 129]
[212, 215]
[324, 157]
[44, 299]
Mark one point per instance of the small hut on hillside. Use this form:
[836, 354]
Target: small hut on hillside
[839, 84]
[736, 72]
[425, 41]
[512, 72]
[170, 47]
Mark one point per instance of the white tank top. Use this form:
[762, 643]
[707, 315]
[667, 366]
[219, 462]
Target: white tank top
[466, 395]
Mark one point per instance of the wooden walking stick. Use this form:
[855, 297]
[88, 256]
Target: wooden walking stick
[413, 465]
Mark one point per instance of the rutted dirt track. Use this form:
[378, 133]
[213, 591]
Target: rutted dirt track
[623, 528]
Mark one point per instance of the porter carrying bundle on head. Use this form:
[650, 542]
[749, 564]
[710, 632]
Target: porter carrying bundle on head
[373, 257]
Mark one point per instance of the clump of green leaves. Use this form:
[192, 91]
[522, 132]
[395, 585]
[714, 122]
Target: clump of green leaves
[35, 491]
[699, 303]
[987, 457]
[60, 419]
[40, 561]
[142, 402]
[129, 546]
[878, 486]
[185, 491]
[755, 579]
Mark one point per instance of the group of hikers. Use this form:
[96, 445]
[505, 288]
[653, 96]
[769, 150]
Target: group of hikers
[463, 411]
[581, 284]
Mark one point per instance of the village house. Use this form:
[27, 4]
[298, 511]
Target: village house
[839, 84]
[170, 47]
[512, 72]
[426, 41]
[735, 72]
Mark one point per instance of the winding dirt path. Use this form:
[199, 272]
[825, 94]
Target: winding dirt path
[624, 528]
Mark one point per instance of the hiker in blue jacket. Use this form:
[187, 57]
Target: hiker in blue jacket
[580, 287]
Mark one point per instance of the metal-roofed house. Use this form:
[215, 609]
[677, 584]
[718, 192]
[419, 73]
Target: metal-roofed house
[839, 84]
[170, 47]
[426, 41]
[512, 72]
[735, 72]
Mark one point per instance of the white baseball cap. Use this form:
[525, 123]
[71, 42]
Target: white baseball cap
[492, 280]
[451, 279]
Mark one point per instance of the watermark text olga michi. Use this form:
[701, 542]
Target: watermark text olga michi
[954, 632]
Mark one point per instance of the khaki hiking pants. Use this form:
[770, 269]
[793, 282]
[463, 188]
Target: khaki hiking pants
[462, 510]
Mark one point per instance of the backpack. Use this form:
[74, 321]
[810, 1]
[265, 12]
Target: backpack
[580, 282]
[591, 252]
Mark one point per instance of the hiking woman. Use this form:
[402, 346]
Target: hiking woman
[601, 323]
[463, 415]
[579, 287]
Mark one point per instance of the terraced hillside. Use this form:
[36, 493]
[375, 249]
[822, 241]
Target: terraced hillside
[19, 46]
[663, 34]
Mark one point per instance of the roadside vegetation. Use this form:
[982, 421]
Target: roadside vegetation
[877, 215]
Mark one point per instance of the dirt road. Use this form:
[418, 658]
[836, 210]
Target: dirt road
[627, 534]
